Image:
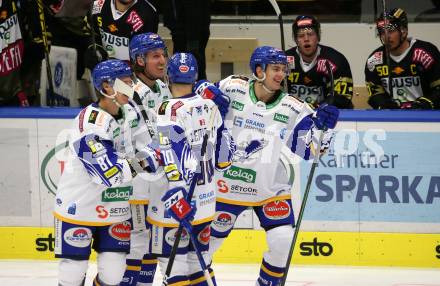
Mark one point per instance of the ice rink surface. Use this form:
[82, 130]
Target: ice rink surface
[44, 273]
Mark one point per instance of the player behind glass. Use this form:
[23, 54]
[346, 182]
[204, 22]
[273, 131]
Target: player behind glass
[117, 21]
[309, 77]
[414, 67]
[92, 197]
[182, 123]
[264, 120]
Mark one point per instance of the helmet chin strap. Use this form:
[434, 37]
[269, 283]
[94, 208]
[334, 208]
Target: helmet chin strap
[112, 97]
[261, 81]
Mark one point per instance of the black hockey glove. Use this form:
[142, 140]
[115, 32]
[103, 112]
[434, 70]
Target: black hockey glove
[94, 55]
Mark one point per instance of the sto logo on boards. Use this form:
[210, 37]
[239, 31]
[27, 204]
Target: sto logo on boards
[437, 250]
[316, 248]
[45, 243]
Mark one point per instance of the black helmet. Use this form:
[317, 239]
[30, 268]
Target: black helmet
[304, 22]
[396, 19]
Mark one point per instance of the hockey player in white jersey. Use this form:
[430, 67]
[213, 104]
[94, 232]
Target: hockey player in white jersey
[182, 123]
[148, 57]
[263, 119]
[92, 197]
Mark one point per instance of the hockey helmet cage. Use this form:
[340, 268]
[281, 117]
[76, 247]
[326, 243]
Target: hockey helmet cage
[108, 71]
[182, 68]
[142, 43]
[306, 22]
[396, 19]
[266, 55]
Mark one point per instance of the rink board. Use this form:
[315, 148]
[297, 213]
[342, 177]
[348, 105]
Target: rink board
[247, 246]
[382, 214]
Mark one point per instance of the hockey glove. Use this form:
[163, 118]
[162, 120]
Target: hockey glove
[147, 158]
[207, 90]
[421, 103]
[22, 99]
[94, 55]
[326, 116]
[177, 205]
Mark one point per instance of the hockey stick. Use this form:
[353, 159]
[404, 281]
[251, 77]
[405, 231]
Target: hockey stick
[138, 101]
[387, 49]
[189, 197]
[308, 186]
[280, 21]
[46, 51]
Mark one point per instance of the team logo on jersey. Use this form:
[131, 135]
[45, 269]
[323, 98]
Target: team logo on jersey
[222, 186]
[116, 194]
[398, 70]
[174, 108]
[281, 118]
[101, 212]
[163, 107]
[223, 221]
[135, 21]
[307, 80]
[237, 105]
[321, 66]
[204, 235]
[374, 60]
[423, 57]
[120, 231]
[112, 28]
[241, 174]
[170, 237]
[78, 237]
[238, 121]
[291, 62]
[276, 210]
[92, 117]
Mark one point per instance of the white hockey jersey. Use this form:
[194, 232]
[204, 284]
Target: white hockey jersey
[146, 105]
[260, 131]
[96, 183]
[182, 124]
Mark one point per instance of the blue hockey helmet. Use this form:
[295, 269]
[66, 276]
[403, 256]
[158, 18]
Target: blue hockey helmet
[142, 43]
[108, 71]
[182, 68]
[266, 55]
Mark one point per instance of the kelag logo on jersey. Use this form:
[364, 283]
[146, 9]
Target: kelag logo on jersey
[116, 194]
[237, 105]
[52, 167]
[241, 174]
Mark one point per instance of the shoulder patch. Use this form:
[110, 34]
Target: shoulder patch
[97, 6]
[374, 60]
[92, 117]
[423, 57]
[291, 62]
[163, 107]
[174, 108]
